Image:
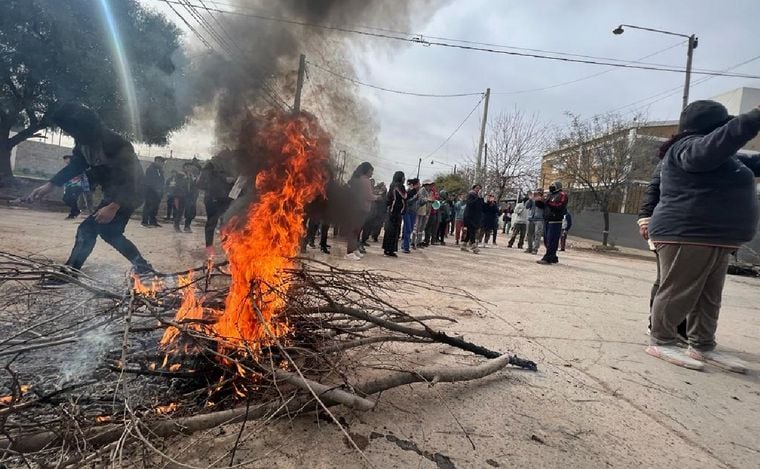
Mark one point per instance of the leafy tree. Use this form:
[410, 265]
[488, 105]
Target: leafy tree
[60, 50]
[453, 183]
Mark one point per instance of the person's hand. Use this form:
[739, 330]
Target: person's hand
[106, 214]
[40, 192]
[644, 231]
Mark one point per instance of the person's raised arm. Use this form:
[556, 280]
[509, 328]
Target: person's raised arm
[705, 153]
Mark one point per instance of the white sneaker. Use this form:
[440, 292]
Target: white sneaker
[675, 355]
[719, 359]
[352, 257]
[358, 254]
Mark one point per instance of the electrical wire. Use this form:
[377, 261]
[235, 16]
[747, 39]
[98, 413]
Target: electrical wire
[425, 42]
[455, 130]
[389, 90]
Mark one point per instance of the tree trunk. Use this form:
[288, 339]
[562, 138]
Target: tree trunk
[6, 173]
[606, 217]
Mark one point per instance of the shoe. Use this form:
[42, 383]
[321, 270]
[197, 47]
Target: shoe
[475, 250]
[674, 355]
[146, 225]
[456, 243]
[364, 244]
[176, 228]
[352, 256]
[312, 245]
[528, 251]
[71, 217]
[187, 230]
[144, 269]
[390, 254]
[414, 246]
[561, 250]
[543, 262]
[719, 359]
[324, 250]
[406, 251]
[463, 248]
[155, 225]
[362, 250]
[52, 281]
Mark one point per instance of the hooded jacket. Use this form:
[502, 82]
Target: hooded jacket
[707, 192]
[555, 206]
[520, 215]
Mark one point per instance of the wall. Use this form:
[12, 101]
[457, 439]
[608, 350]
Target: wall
[624, 232]
[37, 159]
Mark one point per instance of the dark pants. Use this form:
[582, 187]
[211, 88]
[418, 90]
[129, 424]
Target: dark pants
[552, 233]
[169, 206]
[215, 208]
[179, 210]
[431, 229]
[443, 230]
[409, 218]
[311, 232]
[681, 330]
[471, 235]
[71, 199]
[518, 229]
[112, 233]
[488, 232]
[190, 209]
[150, 209]
[563, 240]
[392, 232]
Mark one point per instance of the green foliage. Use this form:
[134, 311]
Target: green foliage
[61, 50]
[453, 183]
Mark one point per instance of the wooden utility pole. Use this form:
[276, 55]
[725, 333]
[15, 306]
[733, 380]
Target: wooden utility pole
[419, 163]
[478, 164]
[299, 83]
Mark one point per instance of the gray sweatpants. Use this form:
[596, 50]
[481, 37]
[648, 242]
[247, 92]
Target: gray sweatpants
[419, 229]
[691, 286]
[535, 233]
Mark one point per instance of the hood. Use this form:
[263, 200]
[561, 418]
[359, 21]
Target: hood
[702, 117]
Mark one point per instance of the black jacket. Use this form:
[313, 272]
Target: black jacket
[110, 162]
[651, 194]
[154, 178]
[708, 192]
[490, 215]
[473, 211]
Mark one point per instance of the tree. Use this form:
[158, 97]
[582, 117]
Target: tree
[515, 144]
[453, 183]
[53, 50]
[599, 156]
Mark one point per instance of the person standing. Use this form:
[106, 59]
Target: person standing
[191, 201]
[473, 217]
[216, 180]
[431, 229]
[490, 219]
[72, 189]
[362, 198]
[111, 162]
[707, 209]
[154, 191]
[424, 200]
[459, 207]
[171, 183]
[445, 214]
[396, 202]
[410, 215]
[519, 223]
[554, 208]
[180, 192]
[535, 222]
[567, 224]
[507, 218]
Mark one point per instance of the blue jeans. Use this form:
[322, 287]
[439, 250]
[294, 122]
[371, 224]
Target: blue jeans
[409, 218]
[552, 234]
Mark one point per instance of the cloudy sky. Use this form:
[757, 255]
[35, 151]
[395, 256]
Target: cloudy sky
[412, 127]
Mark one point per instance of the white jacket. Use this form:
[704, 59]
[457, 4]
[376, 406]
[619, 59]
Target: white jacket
[520, 215]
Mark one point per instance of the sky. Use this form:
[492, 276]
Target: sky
[413, 127]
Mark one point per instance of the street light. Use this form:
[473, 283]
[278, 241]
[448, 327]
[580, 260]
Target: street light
[693, 43]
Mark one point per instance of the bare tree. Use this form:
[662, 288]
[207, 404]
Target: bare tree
[599, 156]
[516, 142]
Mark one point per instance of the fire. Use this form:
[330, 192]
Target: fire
[295, 150]
[103, 418]
[8, 399]
[166, 409]
[190, 309]
[156, 284]
[260, 245]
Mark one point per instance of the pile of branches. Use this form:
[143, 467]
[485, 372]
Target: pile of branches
[87, 380]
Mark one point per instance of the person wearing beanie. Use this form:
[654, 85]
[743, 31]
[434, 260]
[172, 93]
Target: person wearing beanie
[707, 209]
[554, 207]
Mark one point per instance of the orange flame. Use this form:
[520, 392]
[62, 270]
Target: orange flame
[294, 151]
[190, 308]
[151, 291]
[166, 409]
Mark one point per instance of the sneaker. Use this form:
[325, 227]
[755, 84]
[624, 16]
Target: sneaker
[463, 248]
[176, 228]
[324, 250]
[146, 225]
[188, 230]
[475, 250]
[406, 251]
[362, 250]
[719, 359]
[71, 217]
[52, 281]
[543, 262]
[312, 245]
[390, 254]
[674, 355]
[155, 225]
[352, 256]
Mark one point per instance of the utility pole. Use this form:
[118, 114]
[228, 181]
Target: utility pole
[485, 167]
[299, 83]
[419, 163]
[478, 166]
[693, 41]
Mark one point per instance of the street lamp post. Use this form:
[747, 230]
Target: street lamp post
[693, 43]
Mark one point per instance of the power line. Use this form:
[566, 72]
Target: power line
[420, 40]
[408, 93]
[455, 130]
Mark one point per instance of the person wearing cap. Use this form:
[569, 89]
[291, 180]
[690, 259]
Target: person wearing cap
[554, 208]
[707, 209]
[424, 202]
